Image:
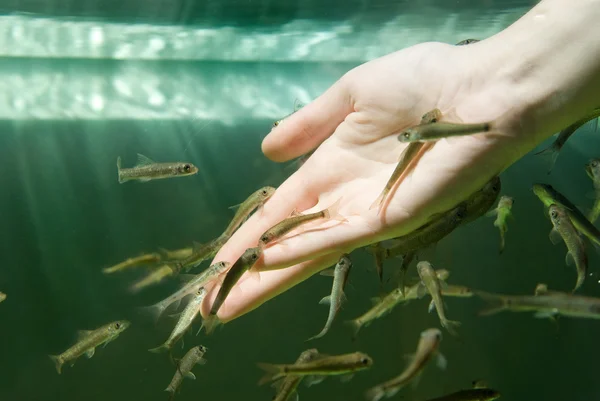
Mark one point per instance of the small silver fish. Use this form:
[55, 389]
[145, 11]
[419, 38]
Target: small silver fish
[439, 130]
[502, 213]
[184, 368]
[133, 262]
[548, 195]
[147, 169]
[545, 304]
[474, 394]
[297, 106]
[288, 386]
[466, 42]
[563, 228]
[87, 341]
[2, 296]
[429, 342]
[592, 168]
[202, 252]
[256, 200]
[434, 287]
[185, 321]
[323, 366]
[337, 297]
[189, 288]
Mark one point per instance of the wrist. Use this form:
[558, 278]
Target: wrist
[547, 64]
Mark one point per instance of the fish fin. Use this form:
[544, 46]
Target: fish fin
[332, 212]
[160, 349]
[294, 396]
[376, 300]
[202, 361]
[440, 361]
[343, 298]
[569, 260]
[81, 334]
[375, 394]
[378, 202]
[234, 207]
[421, 290]
[492, 213]
[551, 154]
[431, 307]
[346, 378]
[297, 105]
[197, 246]
[541, 289]
[143, 160]
[210, 323]
[58, 362]
[295, 213]
[90, 353]
[121, 180]
[274, 372]
[313, 379]
[497, 303]
[190, 375]
[555, 237]
[325, 300]
[417, 379]
[327, 272]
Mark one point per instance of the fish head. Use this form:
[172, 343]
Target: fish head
[506, 202]
[543, 192]
[251, 255]
[119, 326]
[409, 135]
[265, 193]
[424, 267]
[592, 168]
[433, 334]
[363, 360]
[344, 263]
[556, 213]
[186, 169]
[199, 350]
[265, 239]
[459, 213]
[220, 267]
[488, 394]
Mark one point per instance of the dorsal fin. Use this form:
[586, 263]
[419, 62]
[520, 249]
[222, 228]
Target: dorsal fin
[143, 160]
[83, 333]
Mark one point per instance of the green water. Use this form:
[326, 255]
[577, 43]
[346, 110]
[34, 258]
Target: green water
[66, 117]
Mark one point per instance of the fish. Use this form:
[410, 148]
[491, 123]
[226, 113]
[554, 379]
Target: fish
[275, 233]
[202, 252]
[434, 287]
[181, 253]
[88, 340]
[474, 394]
[467, 42]
[297, 106]
[384, 305]
[184, 323]
[195, 356]
[147, 169]
[133, 262]
[289, 384]
[502, 213]
[592, 168]
[337, 297]
[242, 265]
[439, 130]
[2, 296]
[407, 156]
[323, 366]
[545, 304]
[481, 201]
[548, 195]
[553, 150]
[256, 200]
[563, 228]
[427, 348]
[156, 276]
[196, 282]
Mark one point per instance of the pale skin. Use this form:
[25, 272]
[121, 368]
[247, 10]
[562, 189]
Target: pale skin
[534, 78]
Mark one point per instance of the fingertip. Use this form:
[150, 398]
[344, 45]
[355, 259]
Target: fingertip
[304, 130]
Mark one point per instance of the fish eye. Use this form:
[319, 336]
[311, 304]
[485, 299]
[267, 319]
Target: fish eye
[594, 163]
[186, 168]
[254, 256]
[264, 238]
[117, 325]
[364, 361]
[554, 214]
[264, 192]
[406, 135]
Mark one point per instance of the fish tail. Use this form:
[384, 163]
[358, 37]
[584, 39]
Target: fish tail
[502, 231]
[378, 202]
[321, 334]
[496, 303]
[162, 348]
[375, 394]
[356, 326]
[58, 362]
[551, 154]
[121, 179]
[210, 323]
[109, 270]
[451, 326]
[332, 212]
[274, 372]
[165, 252]
[153, 312]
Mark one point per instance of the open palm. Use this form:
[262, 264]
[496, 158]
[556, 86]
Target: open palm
[354, 125]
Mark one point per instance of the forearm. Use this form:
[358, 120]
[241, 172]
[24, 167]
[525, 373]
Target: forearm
[549, 63]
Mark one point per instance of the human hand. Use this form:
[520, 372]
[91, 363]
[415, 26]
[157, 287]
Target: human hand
[355, 125]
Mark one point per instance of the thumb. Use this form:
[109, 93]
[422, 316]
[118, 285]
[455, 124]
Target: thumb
[304, 130]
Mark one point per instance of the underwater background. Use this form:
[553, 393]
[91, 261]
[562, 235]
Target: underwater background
[85, 82]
